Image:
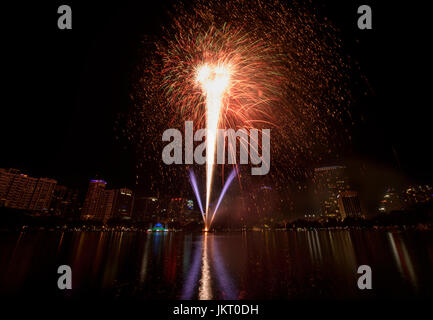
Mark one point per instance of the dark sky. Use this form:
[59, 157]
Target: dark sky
[63, 89]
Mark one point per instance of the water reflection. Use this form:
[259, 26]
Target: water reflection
[226, 284]
[144, 260]
[402, 258]
[193, 274]
[205, 291]
[247, 265]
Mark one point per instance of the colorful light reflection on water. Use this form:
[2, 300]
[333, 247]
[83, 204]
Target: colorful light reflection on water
[243, 265]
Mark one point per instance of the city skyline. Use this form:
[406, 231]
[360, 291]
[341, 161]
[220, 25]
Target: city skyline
[329, 195]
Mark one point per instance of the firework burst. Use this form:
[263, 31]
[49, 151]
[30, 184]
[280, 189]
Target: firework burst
[284, 71]
[253, 67]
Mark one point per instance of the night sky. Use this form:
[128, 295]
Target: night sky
[63, 89]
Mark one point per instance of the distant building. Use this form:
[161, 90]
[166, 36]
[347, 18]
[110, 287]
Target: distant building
[329, 182]
[94, 203]
[391, 201]
[65, 202]
[101, 204]
[349, 204]
[42, 194]
[20, 191]
[265, 199]
[6, 177]
[107, 206]
[145, 208]
[123, 203]
[417, 194]
[177, 209]
[399, 200]
[59, 195]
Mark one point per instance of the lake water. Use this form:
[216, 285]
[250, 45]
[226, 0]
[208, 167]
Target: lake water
[239, 265]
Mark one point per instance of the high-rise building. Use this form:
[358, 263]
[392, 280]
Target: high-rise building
[107, 206]
[349, 204]
[264, 199]
[59, 195]
[146, 208]
[65, 202]
[5, 181]
[94, 203]
[20, 191]
[42, 194]
[123, 203]
[102, 204]
[329, 182]
[391, 201]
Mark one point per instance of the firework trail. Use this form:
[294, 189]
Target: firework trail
[214, 81]
[194, 185]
